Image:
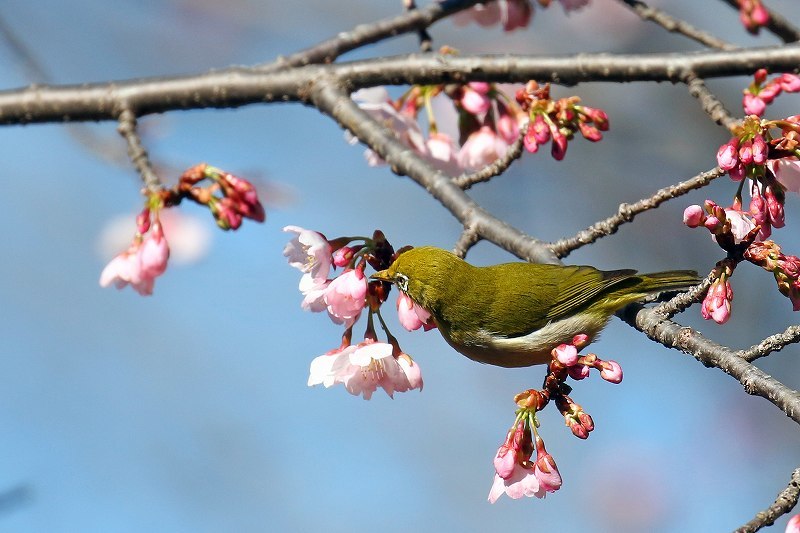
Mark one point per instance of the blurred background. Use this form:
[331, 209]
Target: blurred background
[189, 410]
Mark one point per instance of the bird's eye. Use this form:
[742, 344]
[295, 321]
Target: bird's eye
[402, 282]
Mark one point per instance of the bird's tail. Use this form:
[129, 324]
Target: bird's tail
[673, 280]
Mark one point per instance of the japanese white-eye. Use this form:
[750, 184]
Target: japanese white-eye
[514, 314]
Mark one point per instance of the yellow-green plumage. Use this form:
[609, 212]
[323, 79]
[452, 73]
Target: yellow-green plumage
[514, 314]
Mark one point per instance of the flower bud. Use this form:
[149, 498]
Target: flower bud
[728, 154]
[693, 216]
[566, 354]
[611, 372]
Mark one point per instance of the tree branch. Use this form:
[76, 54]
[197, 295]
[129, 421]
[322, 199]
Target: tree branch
[238, 86]
[627, 212]
[674, 25]
[784, 503]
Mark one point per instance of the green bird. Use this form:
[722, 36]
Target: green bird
[514, 314]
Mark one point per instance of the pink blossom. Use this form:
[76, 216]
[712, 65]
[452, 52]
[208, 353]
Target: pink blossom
[411, 371]
[481, 148]
[126, 268]
[475, 98]
[717, 303]
[309, 252]
[505, 460]
[376, 102]
[693, 216]
[521, 482]
[346, 296]
[611, 372]
[787, 172]
[313, 290]
[442, 151]
[566, 354]
[793, 526]
[411, 315]
[482, 14]
[365, 367]
[741, 224]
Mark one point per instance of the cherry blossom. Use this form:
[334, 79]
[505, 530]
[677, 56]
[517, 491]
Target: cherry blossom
[309, 251]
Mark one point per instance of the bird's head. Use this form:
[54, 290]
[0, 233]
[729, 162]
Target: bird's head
[422, 273]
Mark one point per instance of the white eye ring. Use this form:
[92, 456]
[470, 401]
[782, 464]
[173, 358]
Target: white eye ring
[402, 282]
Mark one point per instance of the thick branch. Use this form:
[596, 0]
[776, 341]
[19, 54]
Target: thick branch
[711, 354]
[237, 86]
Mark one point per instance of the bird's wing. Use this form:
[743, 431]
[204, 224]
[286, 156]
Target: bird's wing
[582, 286]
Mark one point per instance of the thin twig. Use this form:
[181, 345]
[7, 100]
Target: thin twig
[469, 238]
[784, 503]
[331, 49]
[712, 105]
[627, 212]
[137, 152]
[514, 152]
[773, 343]
[675, 25]
[683, 300]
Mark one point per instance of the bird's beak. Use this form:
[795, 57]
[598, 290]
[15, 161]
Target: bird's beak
[383, 275]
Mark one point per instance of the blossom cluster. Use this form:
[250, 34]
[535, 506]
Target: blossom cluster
[489, 121]
[511, 14]
[144, 260]
[516, 473]
[557, 120]
[367, 365]
[228, 197]
[761, 92]
[785, 268]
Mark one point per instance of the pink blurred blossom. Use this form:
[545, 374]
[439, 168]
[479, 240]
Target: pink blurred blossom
[475, 99]
[442, 151]
[753, 104]
[787, 172]
[793, 526]
[481, 148]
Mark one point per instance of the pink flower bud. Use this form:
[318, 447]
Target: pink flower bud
[746, 152]
[580, 340]
[343, 256]
[143, 221]
[728, 154]
[578, 372]
[759, 15]
[775, 208]
[474, 101]
[590, 133]
[769, 92]
[693, 216]
[566, 354]
[738, 173]
[529, 140]
[541, 131]
[558, 148]
[793, 526]
[545, 469]
[760, 150]
[712, 224]
[611, 372]
[504, 461]
[598, 117]
[760, 76]
[717, 303]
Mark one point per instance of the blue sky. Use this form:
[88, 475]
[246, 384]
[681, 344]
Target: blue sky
[189, 410]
